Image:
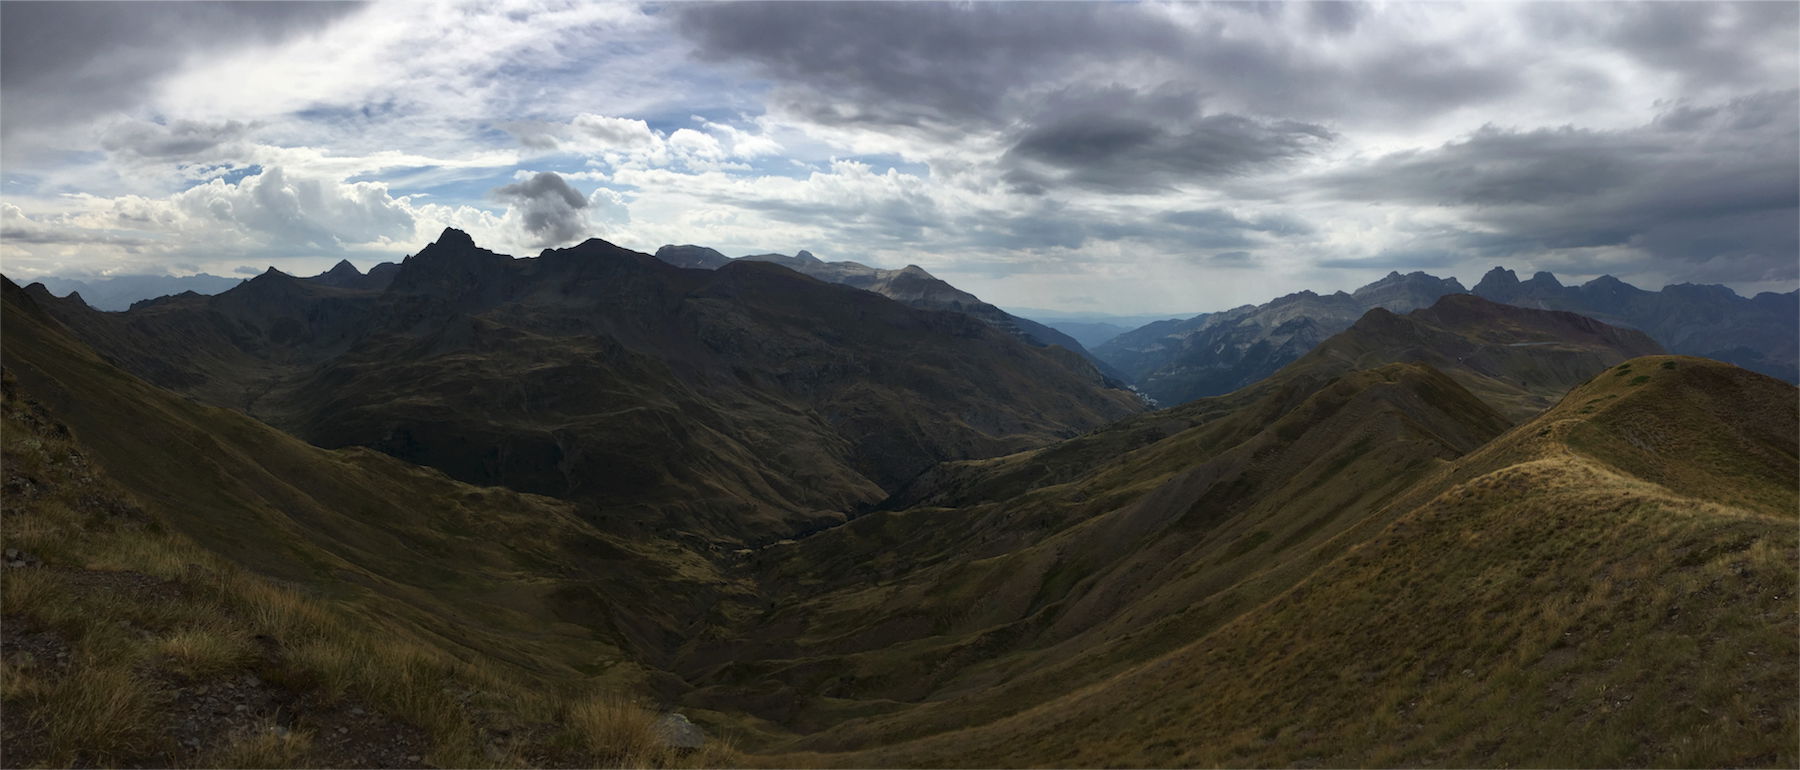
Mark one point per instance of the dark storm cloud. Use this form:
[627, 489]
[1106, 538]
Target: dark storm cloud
[63, 63]
[940, 65]
[1118, 140]
[178, 140]
[1702, 184]
[549, 207]
[1179, 103]
[913, 64]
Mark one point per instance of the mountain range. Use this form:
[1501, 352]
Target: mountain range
[514, 511]
[749, 402]
[1176, 361]
[118, 292]
[910, 285]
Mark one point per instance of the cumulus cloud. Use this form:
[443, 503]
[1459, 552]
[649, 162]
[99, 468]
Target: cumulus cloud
[548, 208]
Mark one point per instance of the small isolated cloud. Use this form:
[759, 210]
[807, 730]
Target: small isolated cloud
[617, 134]
[246, 270]
[550, 211]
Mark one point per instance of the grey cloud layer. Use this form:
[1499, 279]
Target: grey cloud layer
[1134, 99]
[65, 63]
[1702, 183]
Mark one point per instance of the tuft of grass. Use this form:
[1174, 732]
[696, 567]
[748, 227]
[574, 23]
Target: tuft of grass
[266, 746]
[98, 713]
[205, 650]
[614, 730]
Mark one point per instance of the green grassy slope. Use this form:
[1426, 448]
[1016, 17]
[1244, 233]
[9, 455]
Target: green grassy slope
[1561, 597]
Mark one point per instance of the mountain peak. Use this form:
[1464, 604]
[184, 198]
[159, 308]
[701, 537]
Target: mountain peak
[1498, 281]
[1545, 278]
[1500, 275]
[343, 269]
[454, 237]
[805, 256]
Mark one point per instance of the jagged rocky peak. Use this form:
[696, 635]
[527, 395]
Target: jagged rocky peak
[343, 268]
[1500, 275]
[454, 237]
[1545, 278]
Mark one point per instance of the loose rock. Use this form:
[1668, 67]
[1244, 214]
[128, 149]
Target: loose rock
[677, 732]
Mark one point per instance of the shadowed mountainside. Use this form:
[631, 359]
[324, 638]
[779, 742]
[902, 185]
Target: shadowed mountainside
[365, 522]
[745, 403]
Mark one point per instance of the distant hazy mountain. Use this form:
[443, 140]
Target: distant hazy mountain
[911, 285]
[1091, 334]
[1178, 361]
[1213, 353]
[1093, 329]
[344, 275]
[1760, 333]
[119, 291]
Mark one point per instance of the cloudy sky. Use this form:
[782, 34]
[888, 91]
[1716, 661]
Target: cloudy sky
[1117, 157]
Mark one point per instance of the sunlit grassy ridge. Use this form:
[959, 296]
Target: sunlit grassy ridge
[999, 584]
[1544, 607]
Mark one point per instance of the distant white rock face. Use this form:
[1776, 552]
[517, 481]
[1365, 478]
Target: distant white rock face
[677, 732]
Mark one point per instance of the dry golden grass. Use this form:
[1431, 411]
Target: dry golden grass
[99, 712]
[1538, 607]
[205, 650]
[614, 729]
[263, 747]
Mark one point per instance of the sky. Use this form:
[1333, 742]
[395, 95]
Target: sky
[1118, 157]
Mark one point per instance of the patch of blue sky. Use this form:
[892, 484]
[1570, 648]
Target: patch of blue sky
[19, 184]
[880, 163]
[448, 185]
[230, 175]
